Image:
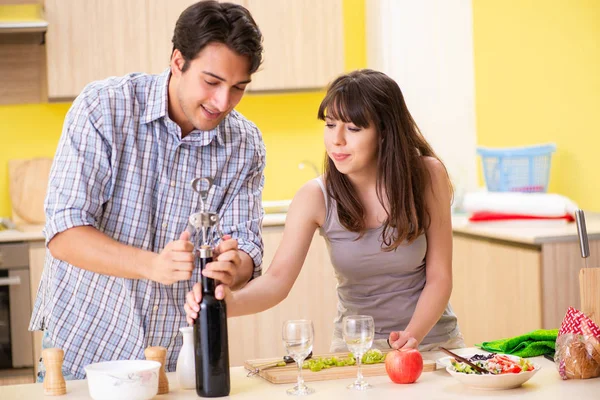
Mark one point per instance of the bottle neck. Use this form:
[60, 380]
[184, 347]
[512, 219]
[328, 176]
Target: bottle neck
[205, 257]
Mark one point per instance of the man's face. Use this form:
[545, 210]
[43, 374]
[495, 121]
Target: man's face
[212, 85]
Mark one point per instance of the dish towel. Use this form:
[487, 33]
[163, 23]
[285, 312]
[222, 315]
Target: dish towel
[531, 344]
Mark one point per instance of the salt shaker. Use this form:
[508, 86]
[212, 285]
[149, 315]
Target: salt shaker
[159, 354]
[54, 382]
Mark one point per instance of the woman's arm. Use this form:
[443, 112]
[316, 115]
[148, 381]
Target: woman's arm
[305, 214]
[438, 261]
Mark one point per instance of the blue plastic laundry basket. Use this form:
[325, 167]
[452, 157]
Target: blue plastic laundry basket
[517, 169]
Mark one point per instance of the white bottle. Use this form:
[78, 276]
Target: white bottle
[186, 362]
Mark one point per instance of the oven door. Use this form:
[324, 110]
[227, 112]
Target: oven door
[16, 342]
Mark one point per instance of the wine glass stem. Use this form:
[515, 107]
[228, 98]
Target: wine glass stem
[300, 379]
[359, 376]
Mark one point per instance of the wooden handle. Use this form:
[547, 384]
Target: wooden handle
[54, 382]
[589, 293]
[159, 354]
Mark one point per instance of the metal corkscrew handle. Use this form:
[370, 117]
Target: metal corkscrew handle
[197, 185]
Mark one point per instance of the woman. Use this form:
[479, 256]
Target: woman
[383, 206]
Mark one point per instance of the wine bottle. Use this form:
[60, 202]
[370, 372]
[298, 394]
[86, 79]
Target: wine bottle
[210, 337]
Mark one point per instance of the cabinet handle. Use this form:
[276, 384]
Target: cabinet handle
[13, 280]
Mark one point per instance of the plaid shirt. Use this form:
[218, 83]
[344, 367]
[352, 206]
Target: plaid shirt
[122, 167]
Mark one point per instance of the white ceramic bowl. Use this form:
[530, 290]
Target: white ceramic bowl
[123, 380]
[494, 382]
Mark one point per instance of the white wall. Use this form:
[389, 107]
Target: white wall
[427, 47]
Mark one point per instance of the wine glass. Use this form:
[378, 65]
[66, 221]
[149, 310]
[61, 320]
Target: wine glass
[358, 331]
[298, 341]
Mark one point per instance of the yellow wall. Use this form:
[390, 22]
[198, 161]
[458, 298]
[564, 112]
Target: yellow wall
[288, 122]
[537, 80]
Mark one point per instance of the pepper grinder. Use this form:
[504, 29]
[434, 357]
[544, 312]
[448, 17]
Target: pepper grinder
[54, 382]
[157, 353]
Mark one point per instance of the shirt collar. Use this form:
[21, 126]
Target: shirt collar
[158, 105]
[158, 101]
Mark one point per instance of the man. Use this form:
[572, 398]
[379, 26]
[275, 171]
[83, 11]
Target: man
[119, 261]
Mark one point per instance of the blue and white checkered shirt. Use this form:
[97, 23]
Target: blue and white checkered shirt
[122, 167]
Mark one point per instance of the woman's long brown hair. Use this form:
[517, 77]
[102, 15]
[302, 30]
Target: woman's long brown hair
[366, 97]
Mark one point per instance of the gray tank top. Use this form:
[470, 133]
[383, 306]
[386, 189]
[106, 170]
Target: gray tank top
[384, 285]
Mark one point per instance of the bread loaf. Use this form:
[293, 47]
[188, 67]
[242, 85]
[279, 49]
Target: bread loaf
[580, 356]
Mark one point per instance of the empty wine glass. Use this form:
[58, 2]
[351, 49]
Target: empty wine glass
[298, 341]
[358, 331]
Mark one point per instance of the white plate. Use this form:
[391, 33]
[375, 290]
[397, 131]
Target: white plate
[493, 382]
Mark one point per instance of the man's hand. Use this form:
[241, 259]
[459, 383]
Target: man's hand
[175, 262]
[227, 262]
[402, 339]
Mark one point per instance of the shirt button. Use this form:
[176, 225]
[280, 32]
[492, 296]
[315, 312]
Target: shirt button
[173, 183]
[155, 308]
[164, 225]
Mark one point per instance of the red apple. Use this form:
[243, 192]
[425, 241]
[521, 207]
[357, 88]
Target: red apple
[404, 366]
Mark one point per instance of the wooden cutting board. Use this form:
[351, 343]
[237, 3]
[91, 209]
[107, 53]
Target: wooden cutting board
[589, 293]
[28, 182]
[289, 373]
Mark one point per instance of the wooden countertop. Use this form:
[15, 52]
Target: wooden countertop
[546, 384]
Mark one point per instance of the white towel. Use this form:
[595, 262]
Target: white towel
[534, 204]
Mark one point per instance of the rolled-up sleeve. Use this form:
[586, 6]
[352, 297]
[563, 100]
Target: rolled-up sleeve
[242, 219]
[80, 177]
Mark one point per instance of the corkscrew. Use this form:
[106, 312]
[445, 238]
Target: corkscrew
[205, 223]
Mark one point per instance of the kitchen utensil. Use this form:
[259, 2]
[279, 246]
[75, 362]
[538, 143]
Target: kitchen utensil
[159, 354]
[54, 382]
[464, 360]
[123, 379]
[28, 182]
[289, 372]
[589, 278]
[286, 359]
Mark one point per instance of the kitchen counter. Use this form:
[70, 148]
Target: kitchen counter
[546, 384]
[534, 232]
[13, 235]
[34, 233]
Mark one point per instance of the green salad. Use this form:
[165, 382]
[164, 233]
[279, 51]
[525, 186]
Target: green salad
[372, 356]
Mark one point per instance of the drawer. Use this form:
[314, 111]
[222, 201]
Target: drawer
[14, 255]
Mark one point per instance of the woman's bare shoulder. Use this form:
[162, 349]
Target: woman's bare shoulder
[310, 201]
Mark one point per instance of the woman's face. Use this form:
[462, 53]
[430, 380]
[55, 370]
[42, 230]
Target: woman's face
[353, 150]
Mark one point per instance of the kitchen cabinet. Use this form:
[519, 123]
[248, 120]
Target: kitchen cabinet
[496, 288]
[89, 40]
[513, 277]
[303, 42]
[313, 297]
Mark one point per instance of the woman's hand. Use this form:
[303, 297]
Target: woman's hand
[402, 340]
[193, 298]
